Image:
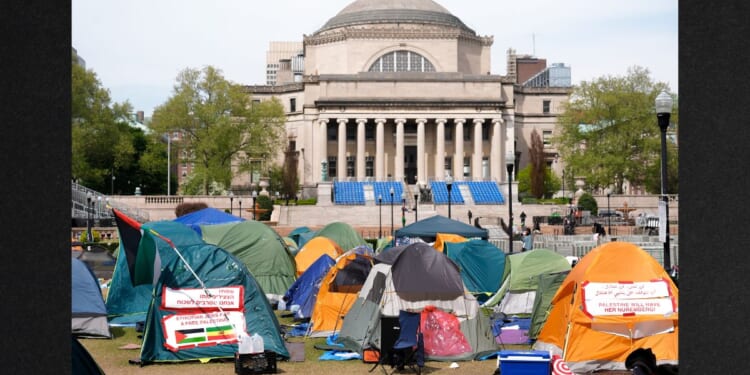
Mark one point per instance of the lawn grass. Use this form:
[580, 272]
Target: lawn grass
[114, 361]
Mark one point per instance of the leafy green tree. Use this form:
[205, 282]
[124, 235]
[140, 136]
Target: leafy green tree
[609, 133]
[220, 124]
[550, 186]
[587, 203]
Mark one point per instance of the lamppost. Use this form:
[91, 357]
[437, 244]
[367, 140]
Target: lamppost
[255, 196]
[231, 203]
[663, 112]
[239, 201]
[609, 213]
[563, 186]
[449, 185]
[403, 209]
[380, 216]
[391, 191]
[416, 205]
[89, 204]
[509, 162]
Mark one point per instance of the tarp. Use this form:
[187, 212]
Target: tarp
[313, 250]
[206, 216]
[184, 323]
[338, 290]
[516, 295]
[428, 229]
[343, 234]
[379, 298]
[483, 266]
[303, 292]
[261, 249]
[127, 304]
[616, 299]
[88, 312]
[442, 238]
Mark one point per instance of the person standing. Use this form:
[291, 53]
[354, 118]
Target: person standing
[528, 239]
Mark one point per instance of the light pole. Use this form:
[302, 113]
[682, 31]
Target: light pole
[391, 191]
[231, 203]
[449, 185]
[416, 205]
[169, 164]
[609, 213]
[509, 162]
[663, 112]
[563, 187]
[403, 209]
[380, 216]
[239, 201]
[255, 196]
[89, 204]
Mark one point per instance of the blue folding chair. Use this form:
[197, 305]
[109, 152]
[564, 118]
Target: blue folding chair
[408, 350]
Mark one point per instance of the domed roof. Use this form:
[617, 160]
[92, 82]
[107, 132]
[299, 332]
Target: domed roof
[364, 12]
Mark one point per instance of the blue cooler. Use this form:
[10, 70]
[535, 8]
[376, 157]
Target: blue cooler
[518, 362]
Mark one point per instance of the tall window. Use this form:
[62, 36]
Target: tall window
[448, 133]
[369, 163]
[467, 166]
[485, 132]
[351, 131]
[545, 106]
[448, 166]
[369, 133]
[350, 166]
[332, 167]
[332, 131]
[546, 138]
[402, 61]
[293, 105]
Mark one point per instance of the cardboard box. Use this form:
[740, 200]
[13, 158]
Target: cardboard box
[516, 362]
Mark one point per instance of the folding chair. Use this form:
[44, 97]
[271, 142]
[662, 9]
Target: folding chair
[408, 350]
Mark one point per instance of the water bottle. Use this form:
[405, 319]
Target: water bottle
[245, 343]
[257, 343]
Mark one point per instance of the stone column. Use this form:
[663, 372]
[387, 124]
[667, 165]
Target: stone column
[398, 163]
[476, 158]
[440, 149]
[421, 165]
[322, 153]
[379, 149]
[361, 148]
[458, 156]
[510, 137]
[496, 151]
[341, 160]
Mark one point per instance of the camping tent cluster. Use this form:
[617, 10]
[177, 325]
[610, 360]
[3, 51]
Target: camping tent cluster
[198, 287]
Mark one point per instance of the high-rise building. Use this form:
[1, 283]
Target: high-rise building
[284, 56]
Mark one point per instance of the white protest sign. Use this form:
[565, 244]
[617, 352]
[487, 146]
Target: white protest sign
[628, 298]
[228, 298]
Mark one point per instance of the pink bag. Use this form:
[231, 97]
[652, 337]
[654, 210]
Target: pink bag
[442, 334]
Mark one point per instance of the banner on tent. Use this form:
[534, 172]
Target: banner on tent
[628, 298]
[228, 298]
[184, 331]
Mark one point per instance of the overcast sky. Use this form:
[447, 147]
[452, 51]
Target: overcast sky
[137, 47]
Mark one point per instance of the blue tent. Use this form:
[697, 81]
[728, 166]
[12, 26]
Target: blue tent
[206, 216]
[483, 266]
[305, 288]
[127, 304]
[428, 228]
[301, 235]
[88, 313]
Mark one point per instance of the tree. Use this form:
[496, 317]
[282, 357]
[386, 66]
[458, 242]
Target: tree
[551, 183]
[290, 180]
[608, 131]
[220, 124]
[538, 165]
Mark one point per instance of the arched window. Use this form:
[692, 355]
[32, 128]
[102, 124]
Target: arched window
[402, 61]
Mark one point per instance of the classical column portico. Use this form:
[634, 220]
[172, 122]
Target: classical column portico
[495, 150]
[379, 149]
[399, 162]
[421, 166]
[322, 154]
[341, 160]
[440, 149]
[458, 157]
[476, 158]
[361, 148]
[510, 137]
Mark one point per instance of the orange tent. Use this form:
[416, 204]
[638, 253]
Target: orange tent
[615, 300]
[313, 249]
[442, 238]
[338, 291]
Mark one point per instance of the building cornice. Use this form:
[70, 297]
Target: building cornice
[395, 32]
[274, 89]
[479, 105]
[518, 89]
[408, 77]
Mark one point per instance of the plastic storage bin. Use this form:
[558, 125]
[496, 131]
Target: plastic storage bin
[515, 362]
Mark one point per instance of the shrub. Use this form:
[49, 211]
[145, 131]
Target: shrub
[188, 207]
[264, 202]
[587, 203]
[94, 233]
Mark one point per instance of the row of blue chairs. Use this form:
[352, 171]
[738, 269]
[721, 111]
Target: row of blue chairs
[353, 192]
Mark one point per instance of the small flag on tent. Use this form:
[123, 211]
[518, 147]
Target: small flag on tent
[129, 232]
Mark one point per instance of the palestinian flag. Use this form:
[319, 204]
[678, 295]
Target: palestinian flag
[129, 232]
[190, 336]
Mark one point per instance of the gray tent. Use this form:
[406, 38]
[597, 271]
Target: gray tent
[428, 228]
[380, 297]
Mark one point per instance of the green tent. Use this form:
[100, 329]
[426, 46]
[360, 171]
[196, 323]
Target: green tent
[127, 304]
[428, 228]
[343, 234]
[483, 266]
[547, 286]
[187, 322]
[261, 249]
[516, 295]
